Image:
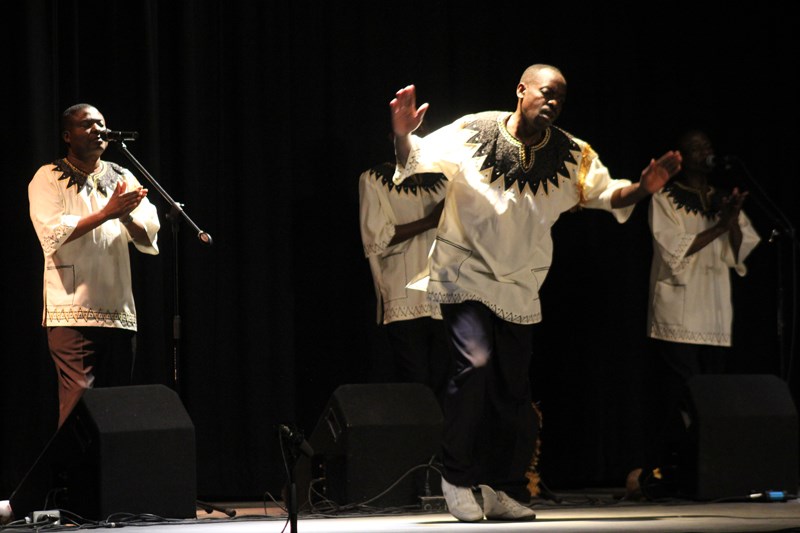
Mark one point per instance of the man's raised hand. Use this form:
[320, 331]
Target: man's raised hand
[406, 116]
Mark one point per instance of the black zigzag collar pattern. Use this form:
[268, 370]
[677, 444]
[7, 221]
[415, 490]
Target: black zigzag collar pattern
[503, 158]
[426, 181]
[106, 180]
[692, 200]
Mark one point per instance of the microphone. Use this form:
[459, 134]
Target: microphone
[115, 136]
[724, 161]
[296, 438]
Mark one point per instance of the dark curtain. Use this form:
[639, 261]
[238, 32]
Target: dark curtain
[258, 118]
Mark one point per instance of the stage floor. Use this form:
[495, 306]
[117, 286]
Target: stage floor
[592, 513]
[595, 511]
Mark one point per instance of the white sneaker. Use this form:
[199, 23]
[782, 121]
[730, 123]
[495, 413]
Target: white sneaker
[6, 514]
[461, 502]
[500, 506]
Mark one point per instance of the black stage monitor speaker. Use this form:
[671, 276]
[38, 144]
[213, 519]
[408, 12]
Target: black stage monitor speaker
[743, 437]
[122, 450]
[368, 438]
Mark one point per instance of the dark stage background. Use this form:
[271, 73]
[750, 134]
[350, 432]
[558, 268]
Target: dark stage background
[259, 117]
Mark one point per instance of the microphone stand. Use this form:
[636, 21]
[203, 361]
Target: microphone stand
[296, 444]
[175, 214]
[289, 460]
[783, 227]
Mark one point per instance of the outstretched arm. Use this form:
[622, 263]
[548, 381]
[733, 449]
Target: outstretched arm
[655, 176]
[406, 117]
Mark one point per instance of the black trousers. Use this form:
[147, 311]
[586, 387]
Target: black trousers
[421, 352]
[490, 425]
[676, 364]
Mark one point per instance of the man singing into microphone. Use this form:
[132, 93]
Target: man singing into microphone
[699, 234]
[85, 212]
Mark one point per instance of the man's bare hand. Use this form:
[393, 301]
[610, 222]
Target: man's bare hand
[659, 171]
[731, 206]
[122, 202]
[406, 116]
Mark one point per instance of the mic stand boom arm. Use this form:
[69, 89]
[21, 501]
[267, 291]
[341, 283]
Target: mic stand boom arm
[204, 237]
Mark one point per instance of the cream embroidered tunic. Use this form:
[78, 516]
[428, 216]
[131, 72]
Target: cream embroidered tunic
[493, 243]
[87, 282]
[384, 205]
[690, 297]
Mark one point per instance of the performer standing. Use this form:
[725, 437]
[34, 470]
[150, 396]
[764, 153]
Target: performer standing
[398, 225]
[85, 212]
[700, 234]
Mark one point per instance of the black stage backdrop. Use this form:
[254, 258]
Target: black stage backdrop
[259, 117]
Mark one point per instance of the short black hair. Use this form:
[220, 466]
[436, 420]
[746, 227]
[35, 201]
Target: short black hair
[71, 111]
[534, 69]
